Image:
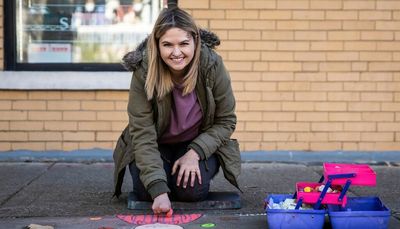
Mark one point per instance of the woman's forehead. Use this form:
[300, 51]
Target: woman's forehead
[175, 34]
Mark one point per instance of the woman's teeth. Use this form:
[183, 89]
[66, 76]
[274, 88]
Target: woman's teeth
[177, 60]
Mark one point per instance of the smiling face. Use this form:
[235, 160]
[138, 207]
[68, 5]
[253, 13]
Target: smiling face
[176, 50]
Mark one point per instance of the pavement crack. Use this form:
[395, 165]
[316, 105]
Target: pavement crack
[27, 184]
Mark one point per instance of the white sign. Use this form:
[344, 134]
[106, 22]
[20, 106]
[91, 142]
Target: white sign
[49, 53]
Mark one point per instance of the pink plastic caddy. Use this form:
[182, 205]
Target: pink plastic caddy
[335, 175]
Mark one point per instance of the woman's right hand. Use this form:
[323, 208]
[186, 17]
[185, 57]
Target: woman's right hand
[161, 204]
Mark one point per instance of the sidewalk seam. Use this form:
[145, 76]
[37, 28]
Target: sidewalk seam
[27, 184]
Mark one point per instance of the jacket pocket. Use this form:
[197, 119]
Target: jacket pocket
[122, 156]
[229, 158]
[121, 146]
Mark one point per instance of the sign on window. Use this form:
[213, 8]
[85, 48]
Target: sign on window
[81, 31]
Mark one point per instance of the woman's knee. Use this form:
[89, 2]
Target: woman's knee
[190, 194]
[138, 188]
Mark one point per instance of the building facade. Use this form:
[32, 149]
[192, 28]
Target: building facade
[310, 75]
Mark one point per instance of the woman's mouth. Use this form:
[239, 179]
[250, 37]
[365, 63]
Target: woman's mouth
[177, 60]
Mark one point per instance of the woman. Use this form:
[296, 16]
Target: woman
[181, 115]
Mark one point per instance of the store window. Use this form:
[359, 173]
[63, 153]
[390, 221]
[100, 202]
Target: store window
[75, 34]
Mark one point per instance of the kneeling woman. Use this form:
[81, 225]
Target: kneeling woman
[181, 115]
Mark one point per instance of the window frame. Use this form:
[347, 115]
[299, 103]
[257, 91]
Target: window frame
[10, 44]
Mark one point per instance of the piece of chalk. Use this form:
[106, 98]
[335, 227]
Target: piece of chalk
[207, 225]
[307, 189]
[169, 213]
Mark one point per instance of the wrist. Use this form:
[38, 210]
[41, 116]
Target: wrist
[194, 146]
[161, 195]
[194, 154]
[157, 188]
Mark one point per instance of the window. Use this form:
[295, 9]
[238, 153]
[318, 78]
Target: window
[91, 35]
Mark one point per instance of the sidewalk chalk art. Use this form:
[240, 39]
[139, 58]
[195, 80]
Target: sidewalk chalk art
[153, 218]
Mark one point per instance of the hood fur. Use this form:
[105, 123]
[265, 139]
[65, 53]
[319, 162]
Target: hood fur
[132, 60]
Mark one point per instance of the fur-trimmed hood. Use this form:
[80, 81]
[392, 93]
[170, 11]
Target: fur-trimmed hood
[132, 60]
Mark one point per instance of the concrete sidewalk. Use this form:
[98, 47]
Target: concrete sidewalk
[67, 195]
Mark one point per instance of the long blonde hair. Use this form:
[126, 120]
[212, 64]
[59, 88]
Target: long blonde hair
[159, 80]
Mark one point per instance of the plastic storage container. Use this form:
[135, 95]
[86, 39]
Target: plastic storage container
[364, 175]
[336, 174]
[282, 218]
[312, 197]
[359, 212]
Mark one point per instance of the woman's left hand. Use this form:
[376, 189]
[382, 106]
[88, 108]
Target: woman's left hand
[188, 168]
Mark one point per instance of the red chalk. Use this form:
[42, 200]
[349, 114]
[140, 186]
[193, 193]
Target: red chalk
[147, 219]
[169, 213]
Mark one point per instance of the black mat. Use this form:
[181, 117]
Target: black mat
[215, 200]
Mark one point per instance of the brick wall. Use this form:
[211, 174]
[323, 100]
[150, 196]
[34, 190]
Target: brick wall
[310, 74]
[1, 36]
[307, 75]
[61, 120]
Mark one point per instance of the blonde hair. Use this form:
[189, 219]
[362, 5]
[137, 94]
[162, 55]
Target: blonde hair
[159, 80]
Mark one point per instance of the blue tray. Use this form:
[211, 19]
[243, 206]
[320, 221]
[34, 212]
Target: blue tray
[359, 212]
[281, 218]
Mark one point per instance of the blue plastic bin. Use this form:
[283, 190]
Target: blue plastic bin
[359, 212]
[281, 218]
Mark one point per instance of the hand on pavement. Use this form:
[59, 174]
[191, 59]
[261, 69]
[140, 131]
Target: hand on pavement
[161, 204]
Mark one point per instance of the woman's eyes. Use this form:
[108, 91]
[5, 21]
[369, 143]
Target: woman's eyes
[170, 45]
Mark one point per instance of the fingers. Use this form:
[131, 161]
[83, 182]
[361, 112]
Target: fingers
[193, 175]
[186, 178]
[187, 169]
[157, 210]
[175, 167]
[183, 176]
[161, 204]
[199, 176]
[161, 210]
[179, 178]
[165, 209]
[192, 178]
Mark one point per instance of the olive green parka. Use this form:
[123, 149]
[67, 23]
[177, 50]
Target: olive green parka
[149, 119]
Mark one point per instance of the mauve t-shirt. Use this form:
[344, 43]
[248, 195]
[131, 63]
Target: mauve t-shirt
[185, 118]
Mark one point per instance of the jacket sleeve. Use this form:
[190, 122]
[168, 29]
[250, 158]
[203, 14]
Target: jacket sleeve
[144, 138]
[224, 117]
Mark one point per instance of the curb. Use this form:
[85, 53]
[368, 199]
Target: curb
[303, 157]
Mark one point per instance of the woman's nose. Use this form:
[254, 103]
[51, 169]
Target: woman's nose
[176, 51]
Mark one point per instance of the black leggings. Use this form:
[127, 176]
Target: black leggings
[169, 154]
